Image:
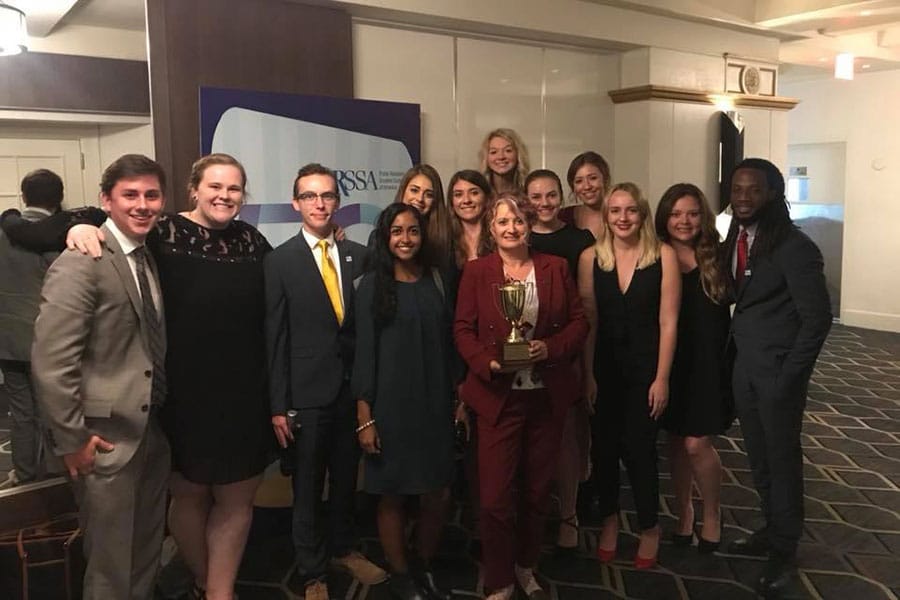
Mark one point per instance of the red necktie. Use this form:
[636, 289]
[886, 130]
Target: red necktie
[741, 257]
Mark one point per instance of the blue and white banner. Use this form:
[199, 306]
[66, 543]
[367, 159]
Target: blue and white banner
[368, 144]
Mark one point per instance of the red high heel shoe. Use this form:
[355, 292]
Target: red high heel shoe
[644, 563]
[647, 562]
[606, 556]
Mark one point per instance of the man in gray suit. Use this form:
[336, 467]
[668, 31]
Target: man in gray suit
[97, 361]
[20, 292]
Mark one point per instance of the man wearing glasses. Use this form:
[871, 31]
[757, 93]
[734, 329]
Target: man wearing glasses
[310, 340]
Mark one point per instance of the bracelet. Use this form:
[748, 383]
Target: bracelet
[368, 423]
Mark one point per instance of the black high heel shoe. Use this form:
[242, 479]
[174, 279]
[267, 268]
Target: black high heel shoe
[707, 547]
[682, 541]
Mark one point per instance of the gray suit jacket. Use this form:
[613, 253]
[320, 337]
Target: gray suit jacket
[90, 361]
[21, 277]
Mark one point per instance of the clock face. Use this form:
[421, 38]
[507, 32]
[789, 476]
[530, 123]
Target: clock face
[750, 80]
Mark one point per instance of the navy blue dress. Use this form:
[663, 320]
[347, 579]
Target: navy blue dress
[405, 371]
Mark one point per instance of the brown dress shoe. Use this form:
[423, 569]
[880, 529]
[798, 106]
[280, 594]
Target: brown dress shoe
[360, 568]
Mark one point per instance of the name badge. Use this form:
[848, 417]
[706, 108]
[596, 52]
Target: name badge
[747, 273]
[348, 258]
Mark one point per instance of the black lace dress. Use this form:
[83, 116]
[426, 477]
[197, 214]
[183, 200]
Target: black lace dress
[217, 414]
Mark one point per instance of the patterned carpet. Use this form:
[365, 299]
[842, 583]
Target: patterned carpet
[850, 549]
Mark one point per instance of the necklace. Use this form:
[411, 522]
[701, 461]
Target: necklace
[518, 272]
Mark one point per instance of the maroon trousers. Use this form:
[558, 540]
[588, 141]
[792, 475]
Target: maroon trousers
[517, 462]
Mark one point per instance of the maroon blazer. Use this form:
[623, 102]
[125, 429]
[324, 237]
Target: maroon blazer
[479, 331]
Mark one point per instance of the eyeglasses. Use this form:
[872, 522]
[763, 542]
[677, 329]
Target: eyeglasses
[327, 197]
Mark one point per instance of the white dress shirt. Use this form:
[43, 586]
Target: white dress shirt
[128, 247]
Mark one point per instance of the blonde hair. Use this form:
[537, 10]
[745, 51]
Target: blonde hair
[648, 242]
[522, 163]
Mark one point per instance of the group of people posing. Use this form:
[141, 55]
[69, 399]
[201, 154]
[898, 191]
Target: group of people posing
[207, 342]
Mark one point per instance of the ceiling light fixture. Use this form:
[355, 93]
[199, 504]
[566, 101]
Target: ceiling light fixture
[843, 66]
[12, 30]
[866, 13]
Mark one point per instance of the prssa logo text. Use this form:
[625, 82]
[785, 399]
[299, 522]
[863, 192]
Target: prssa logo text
[360, 180]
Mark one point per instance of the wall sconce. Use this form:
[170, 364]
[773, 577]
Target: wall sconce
[722, 102]
[843, 66]
[12, 30]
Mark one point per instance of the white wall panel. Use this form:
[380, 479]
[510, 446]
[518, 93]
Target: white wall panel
[410, 66]
[498, 85]
[579, 112]
[695, 154]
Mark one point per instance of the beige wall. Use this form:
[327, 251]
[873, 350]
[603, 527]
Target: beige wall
[865, 114]
[556, 99]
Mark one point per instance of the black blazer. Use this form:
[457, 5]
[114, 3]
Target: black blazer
[310, 356]
[782, 312]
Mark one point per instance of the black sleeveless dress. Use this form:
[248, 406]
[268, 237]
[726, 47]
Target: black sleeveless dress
[700, 398]
[625, 360]
[627, 344]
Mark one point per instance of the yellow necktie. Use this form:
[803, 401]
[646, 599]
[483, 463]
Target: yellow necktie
[329, 275]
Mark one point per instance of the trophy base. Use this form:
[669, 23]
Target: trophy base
[515, 356]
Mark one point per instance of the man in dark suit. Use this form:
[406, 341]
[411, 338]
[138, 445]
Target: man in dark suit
[20, 294]
[97, 362]
[310, 339]
[781, 319]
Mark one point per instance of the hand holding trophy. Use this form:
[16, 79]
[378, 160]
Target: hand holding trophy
[510, 299]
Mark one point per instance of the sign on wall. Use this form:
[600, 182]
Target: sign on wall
[368, 144]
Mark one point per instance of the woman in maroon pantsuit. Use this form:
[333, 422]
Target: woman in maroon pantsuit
[521, 413]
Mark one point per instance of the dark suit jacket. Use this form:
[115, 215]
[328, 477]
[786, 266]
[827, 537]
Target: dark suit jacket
[20, 293]
[310, 355]
[782, 313]
[479, 331]
[91, 360]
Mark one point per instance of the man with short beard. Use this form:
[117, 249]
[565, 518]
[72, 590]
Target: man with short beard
[781, 319]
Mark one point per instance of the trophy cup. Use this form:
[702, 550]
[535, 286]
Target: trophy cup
[511, 299]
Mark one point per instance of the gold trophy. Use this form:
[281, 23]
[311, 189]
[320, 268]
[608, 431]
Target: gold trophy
[511, 299]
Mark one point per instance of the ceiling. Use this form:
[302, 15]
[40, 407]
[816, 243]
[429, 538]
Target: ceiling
[811, 32]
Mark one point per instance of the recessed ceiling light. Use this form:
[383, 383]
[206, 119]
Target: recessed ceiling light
[554, 71]
[866, 13]
[867, 66]
[823, 58]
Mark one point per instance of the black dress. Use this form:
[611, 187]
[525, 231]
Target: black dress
[625, 359]
[700, 398]
[405, 371]
[217, 414]
[566, 242]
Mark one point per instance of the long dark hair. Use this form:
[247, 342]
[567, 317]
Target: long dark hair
[774, 216]
[706, 244]
[381, 261]
[479, 180]
[440, 229]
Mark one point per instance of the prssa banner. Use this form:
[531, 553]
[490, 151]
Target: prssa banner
[368, 144]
